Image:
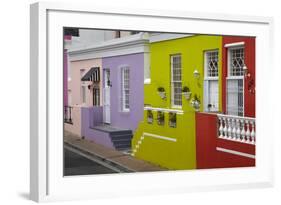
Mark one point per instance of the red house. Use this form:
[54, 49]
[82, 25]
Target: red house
[227, 138]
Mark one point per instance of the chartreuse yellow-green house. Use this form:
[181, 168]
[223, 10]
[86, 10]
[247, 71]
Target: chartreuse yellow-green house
[166, 136]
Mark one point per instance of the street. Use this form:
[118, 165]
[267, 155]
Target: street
[75, 164]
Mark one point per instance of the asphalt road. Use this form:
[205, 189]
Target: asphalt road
[75, 164]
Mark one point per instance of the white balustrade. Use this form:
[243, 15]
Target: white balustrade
[236, 128]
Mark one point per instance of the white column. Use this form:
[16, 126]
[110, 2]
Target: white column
[238, 132]
[243, 130]
[225, 128]
[253, 134]
[247, 131]
[220, 127]
[229, 128]
[233, 128]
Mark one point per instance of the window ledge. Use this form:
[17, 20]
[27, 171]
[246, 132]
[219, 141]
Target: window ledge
[147, 81]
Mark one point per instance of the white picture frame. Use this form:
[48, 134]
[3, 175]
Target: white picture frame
[46, 136]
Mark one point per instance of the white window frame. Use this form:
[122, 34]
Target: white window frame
[231, 77]
[172, 80]
[124, 96]
[83, 98]
[207, 80]
[146, 72]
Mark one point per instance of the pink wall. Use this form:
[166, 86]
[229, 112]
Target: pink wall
[65, 76]
[75, 127]
[75, 83]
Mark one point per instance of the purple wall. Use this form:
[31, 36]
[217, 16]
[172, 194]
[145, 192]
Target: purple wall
[127, 120]
[90, 116]
[96, 116]
[65, 78]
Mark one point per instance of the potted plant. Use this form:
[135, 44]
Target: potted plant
[195, 102]
[172, 119]
[161, 92]
[186, 92]
[149, 117]
[160, 118]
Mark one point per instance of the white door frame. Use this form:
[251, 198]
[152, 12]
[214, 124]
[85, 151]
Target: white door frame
[106, 97]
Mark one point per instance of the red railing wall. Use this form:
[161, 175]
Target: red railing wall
[207, 141]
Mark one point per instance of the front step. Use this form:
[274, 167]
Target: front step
[122, 139]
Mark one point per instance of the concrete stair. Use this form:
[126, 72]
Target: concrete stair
[121, 139]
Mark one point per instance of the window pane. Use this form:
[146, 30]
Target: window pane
[236, 61]
[212, 63]
[235, 102]
[176, 80]
[125, 88]
[213, 104]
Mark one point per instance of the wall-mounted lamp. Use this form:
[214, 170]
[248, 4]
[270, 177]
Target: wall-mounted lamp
[250, 80]
[246, 71]
[196, 74]
[109, 83]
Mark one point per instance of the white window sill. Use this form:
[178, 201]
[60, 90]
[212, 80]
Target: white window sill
[176, 107]
[147, 81]
[235, 77]
[211, 78]
[125, 111]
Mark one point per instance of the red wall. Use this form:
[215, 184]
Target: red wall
[249, 91]
[207, 141]
[206, 129]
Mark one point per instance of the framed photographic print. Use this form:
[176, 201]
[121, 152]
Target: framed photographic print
[127, 102]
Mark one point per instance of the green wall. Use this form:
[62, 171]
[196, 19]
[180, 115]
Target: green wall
[182, 153]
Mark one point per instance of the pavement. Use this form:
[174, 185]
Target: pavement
[77, 164]
[121, 160]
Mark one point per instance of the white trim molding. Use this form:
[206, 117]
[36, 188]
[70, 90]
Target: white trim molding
[235, 152]
[147, 81]
[137, 43]
[139, 142]
[180, 112]
[159, 137]
[234, 44]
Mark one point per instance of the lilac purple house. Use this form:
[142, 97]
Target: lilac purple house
[124, 70]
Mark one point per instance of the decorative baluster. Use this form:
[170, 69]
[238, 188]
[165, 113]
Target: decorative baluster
[240, 129]
[233, 128]
[220, 127]
[229, 128]
[247, 131]
[253, 134]
[243, 130]
[238, 132]
[224, 128]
